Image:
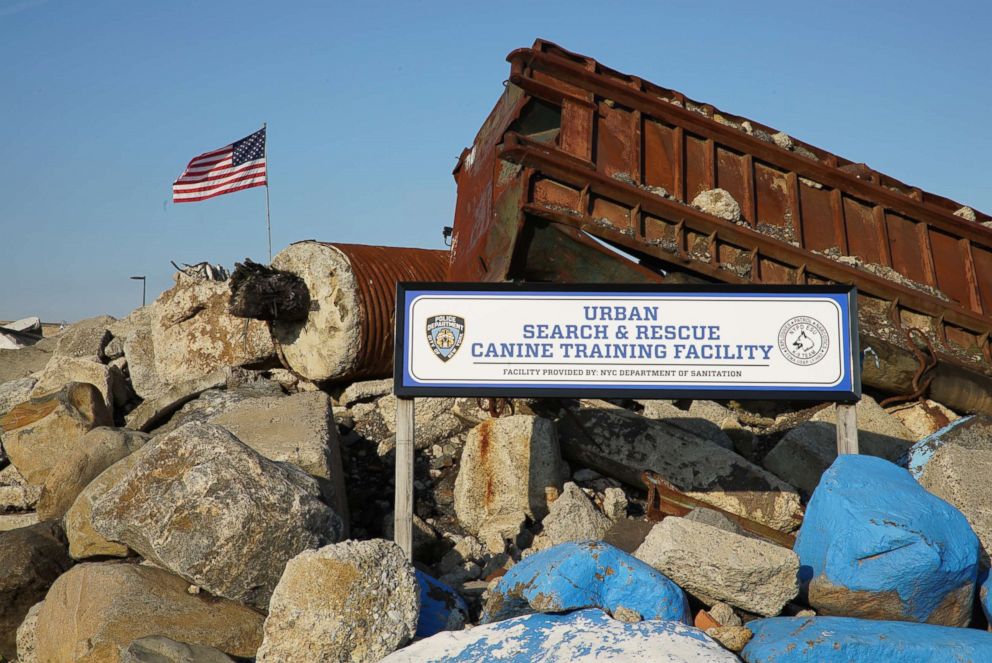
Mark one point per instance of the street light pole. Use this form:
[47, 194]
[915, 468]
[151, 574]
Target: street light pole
[142, 279]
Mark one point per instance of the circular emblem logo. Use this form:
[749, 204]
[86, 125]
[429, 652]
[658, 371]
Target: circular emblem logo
[803, 340]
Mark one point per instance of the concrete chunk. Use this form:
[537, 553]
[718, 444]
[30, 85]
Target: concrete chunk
[622, 444]
[505, 467]
[805, 452]
[747, 573]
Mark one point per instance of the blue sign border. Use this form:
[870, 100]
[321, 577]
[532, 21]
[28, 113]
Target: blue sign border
[848, 390]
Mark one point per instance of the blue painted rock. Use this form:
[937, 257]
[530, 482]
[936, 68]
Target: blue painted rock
[985, 595]
[585, 636]
[876, 545]
[845, 639]
[441, 608]
[585, 574]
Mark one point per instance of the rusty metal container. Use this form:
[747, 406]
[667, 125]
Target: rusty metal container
[584, 174]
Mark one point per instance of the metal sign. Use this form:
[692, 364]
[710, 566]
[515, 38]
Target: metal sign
[754, 342]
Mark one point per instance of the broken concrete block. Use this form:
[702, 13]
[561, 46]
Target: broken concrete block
[15, 392]
[365, 391]
[505, 467]
[876, 545]
[38, 433]
[615, 504]
[353, 601]
[954, 464]
[806, 451]
[154, 411]
[135, 331]
[193, 333]
[93, 611]
[97, 450]
[719, 203]
[573, 517]
[86, 338]
[587, 574]
[433, 419]
[747, 573]
[842, 640]
[966, 213]
[692, 423]
[250, 514]
[584, 636]
[622, 444]
[60, 371]
[497, 531]
[297, 429]
[922, 419]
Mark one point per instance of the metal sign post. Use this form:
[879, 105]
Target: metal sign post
[609, 341]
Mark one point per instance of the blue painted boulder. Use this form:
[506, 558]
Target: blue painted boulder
[585, 574]
[585, 636]
[985, 596]
[876, 545]
[849, 640]
[441, 608]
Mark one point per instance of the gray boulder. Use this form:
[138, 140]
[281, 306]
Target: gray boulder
[572, 517]
[954, 465]
[159, 649]
[505, 467]
[297, 429]
[354, 601]
[27, 640]
[15, 392]
[31, 559]
[688, 421]
[97, 450]
[717, 565]
[135, 332]
[212, 510]
[37, 434]
[94, 611]
[86, 338]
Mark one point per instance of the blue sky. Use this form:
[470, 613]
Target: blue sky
[368, 105]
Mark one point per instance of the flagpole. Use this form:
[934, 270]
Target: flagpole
[268, 219]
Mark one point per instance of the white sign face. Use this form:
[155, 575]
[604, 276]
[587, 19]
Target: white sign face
[756, 343]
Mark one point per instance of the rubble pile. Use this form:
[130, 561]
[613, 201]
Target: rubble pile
[170, 492]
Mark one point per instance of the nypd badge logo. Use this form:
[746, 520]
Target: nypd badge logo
[445, 334]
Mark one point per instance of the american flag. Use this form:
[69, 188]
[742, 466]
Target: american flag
[240, 165]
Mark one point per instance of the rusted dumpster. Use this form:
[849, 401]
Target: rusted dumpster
[583, 174]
